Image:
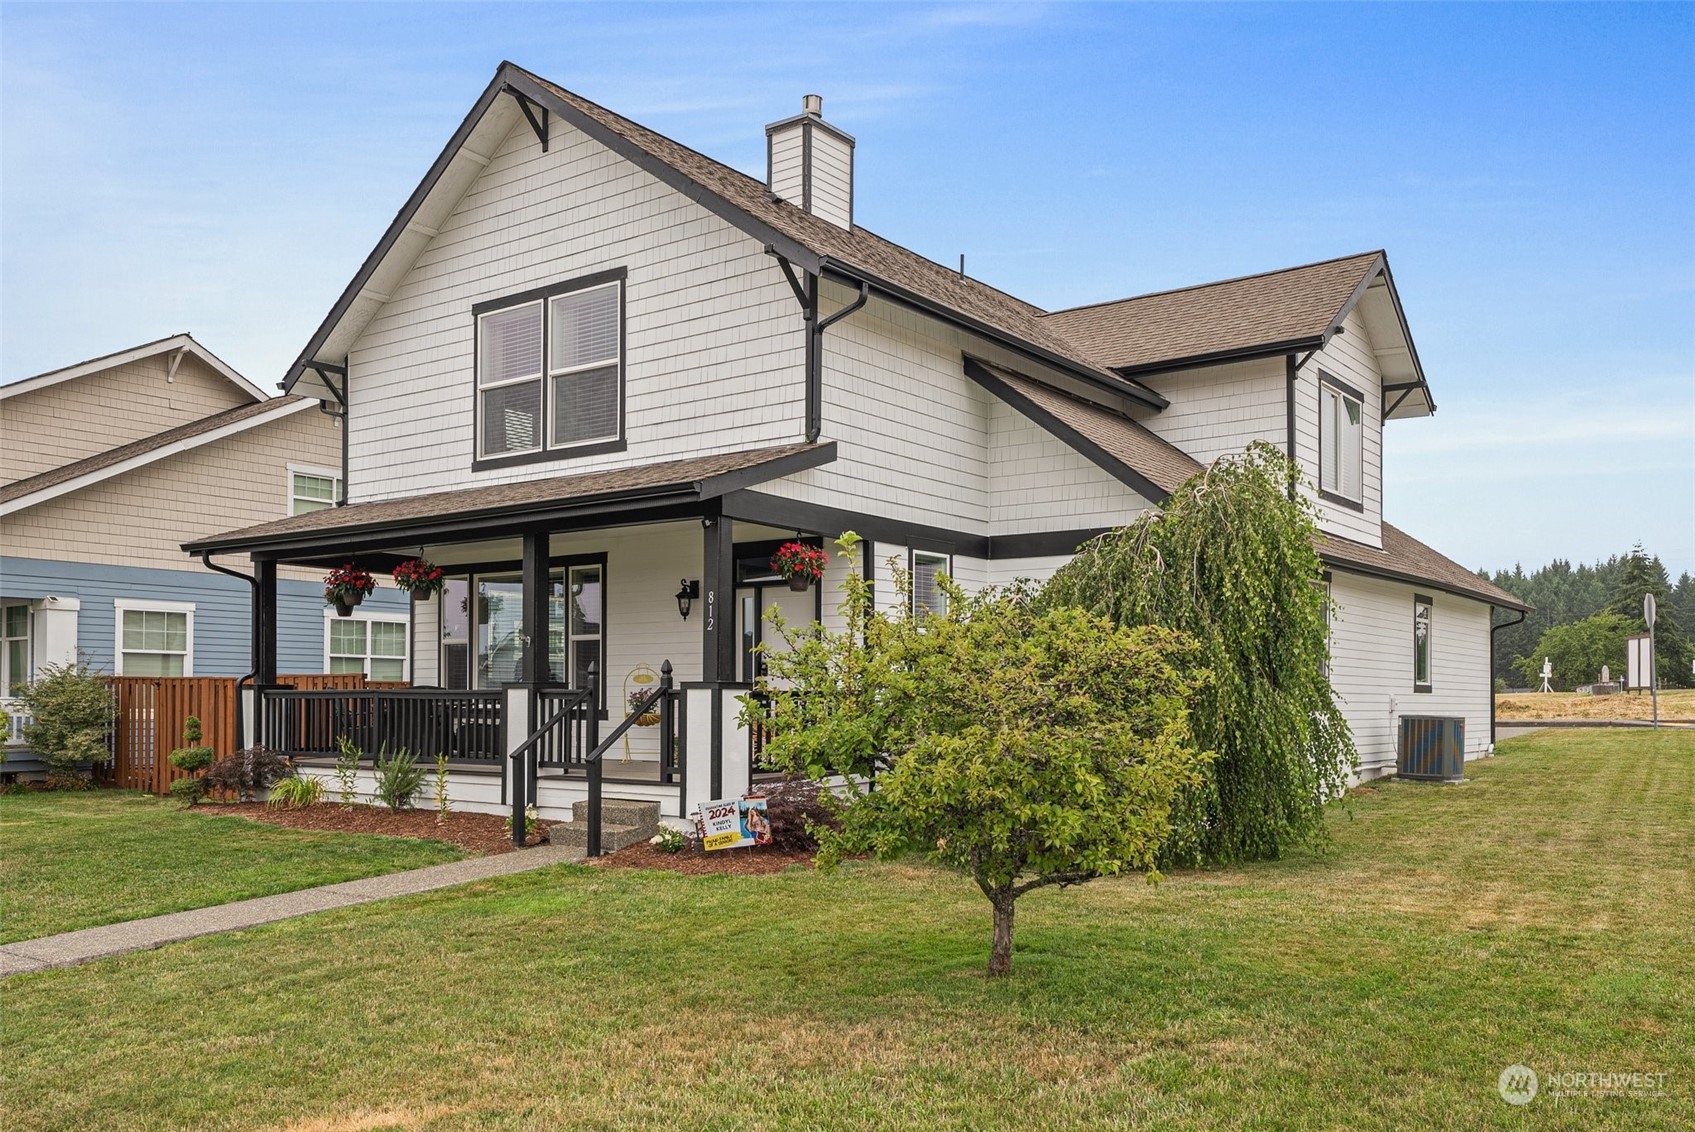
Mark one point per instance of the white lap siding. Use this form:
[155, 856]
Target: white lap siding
[1037, 482]
[1222, 409]
[1371, 668]
[712, 335]
[1350, 360]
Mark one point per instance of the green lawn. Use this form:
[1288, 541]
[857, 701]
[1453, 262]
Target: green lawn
[1542, 913]
[71, 861]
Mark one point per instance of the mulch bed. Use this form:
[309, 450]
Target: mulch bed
[475, 833]
[733, 862]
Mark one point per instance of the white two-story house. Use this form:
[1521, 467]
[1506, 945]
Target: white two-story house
[600, 377]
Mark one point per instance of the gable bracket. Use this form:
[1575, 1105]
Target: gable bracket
[325, 370]
[171, 366]
[529, 108]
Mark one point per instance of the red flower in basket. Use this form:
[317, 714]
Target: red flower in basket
[420, 577]
[800, 564]
[346, 586]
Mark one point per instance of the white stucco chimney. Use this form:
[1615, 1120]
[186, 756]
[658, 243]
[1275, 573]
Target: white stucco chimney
[809, 163]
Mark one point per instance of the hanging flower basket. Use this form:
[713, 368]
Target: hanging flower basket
[346, 586]
[647, 718]
[800, 564]
[420, 577]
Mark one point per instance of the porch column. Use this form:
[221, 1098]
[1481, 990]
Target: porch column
[264, 622]
[536, 591]
[718, 633]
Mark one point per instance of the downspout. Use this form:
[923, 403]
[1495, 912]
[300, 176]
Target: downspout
[253, 634]
[807, 296]
[1493, 629]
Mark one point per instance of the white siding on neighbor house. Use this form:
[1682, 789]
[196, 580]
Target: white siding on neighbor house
[1372, 665]
[1039, 483]
[1349, 359]
[57, 424]
[713, 340]
[1222, 409]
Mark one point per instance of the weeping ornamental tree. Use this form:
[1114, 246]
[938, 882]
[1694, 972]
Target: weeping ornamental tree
[1025, 748]
[1230, 560]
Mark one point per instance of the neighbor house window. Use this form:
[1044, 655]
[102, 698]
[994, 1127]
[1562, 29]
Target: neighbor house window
[373, 646]
[155, 638]
[927, 593]
[312, 491]
[550, 370]
[1341, 438]
[14, 650]
[1421, 644]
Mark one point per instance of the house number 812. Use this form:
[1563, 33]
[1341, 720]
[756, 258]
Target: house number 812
[711, 610]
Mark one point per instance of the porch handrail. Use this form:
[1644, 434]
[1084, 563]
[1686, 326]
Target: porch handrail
[660, 697]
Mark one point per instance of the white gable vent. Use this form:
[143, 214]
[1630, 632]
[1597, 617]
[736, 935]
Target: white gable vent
[809, 163]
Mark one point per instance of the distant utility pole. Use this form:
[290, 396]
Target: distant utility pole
[1653, 659]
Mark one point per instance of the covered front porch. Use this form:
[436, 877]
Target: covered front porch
[593, 637]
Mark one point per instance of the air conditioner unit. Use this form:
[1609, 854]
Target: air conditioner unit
[1431, 748]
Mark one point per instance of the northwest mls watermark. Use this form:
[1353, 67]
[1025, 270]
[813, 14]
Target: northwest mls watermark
[1520, 1084]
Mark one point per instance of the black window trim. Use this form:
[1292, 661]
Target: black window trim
[546, 454]
[1346, 390]
[1430, 644]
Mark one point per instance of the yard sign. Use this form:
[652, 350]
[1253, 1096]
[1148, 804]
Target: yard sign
[734, 822]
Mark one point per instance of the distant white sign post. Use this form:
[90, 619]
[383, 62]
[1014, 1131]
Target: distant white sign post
[1547, 674]
[1648, 612]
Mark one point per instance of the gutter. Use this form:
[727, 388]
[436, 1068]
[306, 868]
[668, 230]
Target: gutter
[1493, 629]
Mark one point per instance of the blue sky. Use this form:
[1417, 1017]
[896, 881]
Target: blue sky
[222, 169]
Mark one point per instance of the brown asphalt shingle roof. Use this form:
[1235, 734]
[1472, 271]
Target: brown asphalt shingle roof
[515, 498]
[1295, 304]
[857, 247]
[141, 447]
[1406, 558]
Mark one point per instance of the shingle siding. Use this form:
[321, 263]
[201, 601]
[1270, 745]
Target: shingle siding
[1349, 359]
[49, 427]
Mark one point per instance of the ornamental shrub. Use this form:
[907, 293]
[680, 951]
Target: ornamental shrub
[247, 772]
[398, 778]
[70, 709]
[191, 757]
[1230, 560]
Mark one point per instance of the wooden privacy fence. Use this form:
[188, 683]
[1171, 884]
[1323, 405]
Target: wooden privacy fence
[151, 712]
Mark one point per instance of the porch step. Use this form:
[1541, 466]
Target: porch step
[575, 835]
[620, 811]
[622, 823]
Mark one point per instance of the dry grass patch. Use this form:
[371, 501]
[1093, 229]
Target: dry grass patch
[1676, 705]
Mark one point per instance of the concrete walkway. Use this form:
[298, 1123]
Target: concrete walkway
[71, 948]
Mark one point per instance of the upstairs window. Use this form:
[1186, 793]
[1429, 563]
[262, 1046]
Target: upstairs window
[312, 491]
[550, 371]
[1341, 440]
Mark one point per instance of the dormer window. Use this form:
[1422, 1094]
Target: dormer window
[550, 372]
[1341, 443]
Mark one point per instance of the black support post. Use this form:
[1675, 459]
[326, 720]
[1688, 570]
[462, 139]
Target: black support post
[594, 766]
[718, 627]
[536, 590]
[264, 622]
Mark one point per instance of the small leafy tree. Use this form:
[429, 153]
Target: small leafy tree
[442, 800]
[1578, 651]
[1230, 560]
[192, 758]
[70, 710]
[1023, 747]
[347, 759]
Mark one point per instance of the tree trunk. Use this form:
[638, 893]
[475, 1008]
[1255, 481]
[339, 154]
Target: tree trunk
[1000, 951]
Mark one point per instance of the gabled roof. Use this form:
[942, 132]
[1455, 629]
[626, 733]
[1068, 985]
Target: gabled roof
[816, 245]
[1293, 310]
[527, 501]
[176, 342]
[115, 461]
[1137, 457]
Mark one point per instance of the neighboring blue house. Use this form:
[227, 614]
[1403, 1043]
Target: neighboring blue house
[110, 465]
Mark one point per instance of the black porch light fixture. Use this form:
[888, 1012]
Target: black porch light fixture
[686, 595]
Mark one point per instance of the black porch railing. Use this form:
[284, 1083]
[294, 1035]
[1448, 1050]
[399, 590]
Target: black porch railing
[464, 726]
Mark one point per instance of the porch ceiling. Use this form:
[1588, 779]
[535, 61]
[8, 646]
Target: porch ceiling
[642, 491]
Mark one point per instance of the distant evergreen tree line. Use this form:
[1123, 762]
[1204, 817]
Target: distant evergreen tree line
[1581, 615]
